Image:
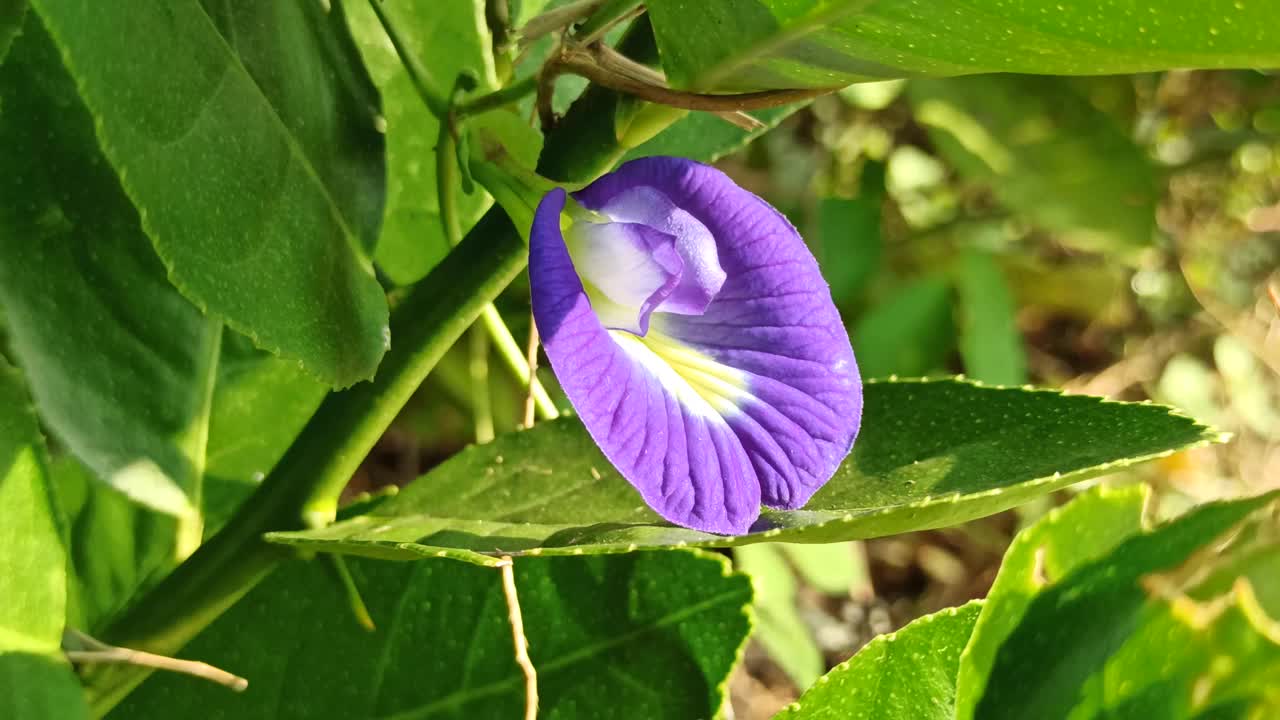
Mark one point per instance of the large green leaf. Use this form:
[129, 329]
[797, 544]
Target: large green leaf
[931, 454]
[1069, 537]
[906, 675]
[1046, 152]
[651, 635]
[1208, 656]
[305, 62]
[35, 681]
[761, 44]
[160, 401]
[246, 138]
[120, 364]
[260, 404]
[1132, 636]
[126, 372]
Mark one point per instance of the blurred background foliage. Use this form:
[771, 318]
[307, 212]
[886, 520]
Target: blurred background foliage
[1117, 236]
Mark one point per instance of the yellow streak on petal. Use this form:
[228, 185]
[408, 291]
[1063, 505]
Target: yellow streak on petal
[698, 380]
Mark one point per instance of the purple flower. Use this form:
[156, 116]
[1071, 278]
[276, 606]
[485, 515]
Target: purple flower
[693, 333]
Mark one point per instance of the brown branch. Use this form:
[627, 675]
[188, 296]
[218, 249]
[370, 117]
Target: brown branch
[531, 359]
[585, 62]
[82, 649]
[613, 61]
[604, 67]
[518, 637]
[557, 19]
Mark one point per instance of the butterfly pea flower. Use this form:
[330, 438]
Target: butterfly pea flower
[691, 330]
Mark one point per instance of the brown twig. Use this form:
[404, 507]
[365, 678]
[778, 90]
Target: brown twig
[591, 63]
[86, 650]
[507, 566]
[594, 30]
[585, 62]
[531, 358]
[613, 61]
[557, 19]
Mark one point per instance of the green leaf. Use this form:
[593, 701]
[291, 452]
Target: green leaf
[931, 454]
[706, 137]
[651, 635]
[761, 44]
[11, 12]
[35, 681]
[1088, 528]
[306, 64]
[447, 39]
[117, 547]
[1215, 659]
[909, 332]
[1046, 152]
[990, 341]
[119, 362]
[1129, 643]
[155, 392]
[260, 404]
[253, 159]
[779, 627]
[835, 569]
[848, 242]
[907, 675]
[155, 407]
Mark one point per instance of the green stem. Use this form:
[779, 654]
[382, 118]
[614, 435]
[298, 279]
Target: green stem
[338, 568]
[513, 355]
[478, 371]
[195, 443]
[446, 185]
[418, 75]
[498, 98]
[478, 365]
[308, 479]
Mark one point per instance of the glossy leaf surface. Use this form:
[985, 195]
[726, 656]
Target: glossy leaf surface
[253, 162]
[931, 454]
[648, 635]
[35, 680]
[745, 45]
[906, 675]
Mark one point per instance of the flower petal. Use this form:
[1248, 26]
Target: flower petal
[667, 440]
[629, 269]
[743, 390]
[696, 245]
[772, 326]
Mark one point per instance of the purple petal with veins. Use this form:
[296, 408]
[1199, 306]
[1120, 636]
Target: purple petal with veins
[691, 329]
